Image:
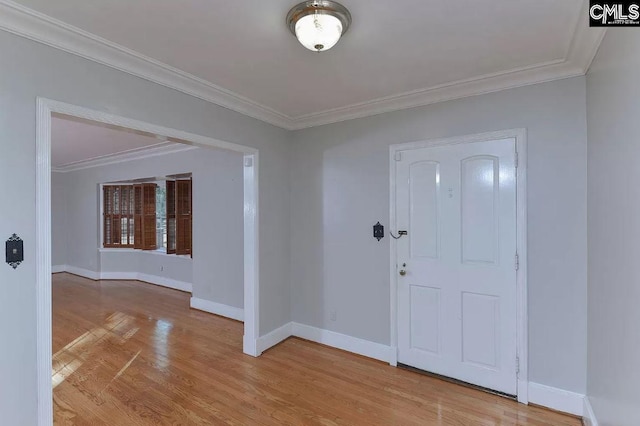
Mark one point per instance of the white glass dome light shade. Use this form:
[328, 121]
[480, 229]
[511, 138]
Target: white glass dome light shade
[318, 24]
[318, 31]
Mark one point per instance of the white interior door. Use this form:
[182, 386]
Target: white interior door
[457, 297]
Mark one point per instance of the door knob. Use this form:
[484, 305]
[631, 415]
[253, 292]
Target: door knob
[403, 272]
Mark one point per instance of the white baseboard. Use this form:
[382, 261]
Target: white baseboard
[119, 276]
[166, 282]
[92, 275]
[55, 269]
[556, 399]
[342, 341]
[152, 279]
[547, 396]
[218, 309]
[273, 338]
[330, 338]
[589, 417]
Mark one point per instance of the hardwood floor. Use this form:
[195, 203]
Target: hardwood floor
[130, 353]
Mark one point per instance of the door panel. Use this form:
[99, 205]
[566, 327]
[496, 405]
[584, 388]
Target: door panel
[457, 301]
[480, 329]
[424, 188]
[478, 208]
[425, 319]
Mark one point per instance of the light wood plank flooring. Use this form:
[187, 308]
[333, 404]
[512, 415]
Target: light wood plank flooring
[130, 353]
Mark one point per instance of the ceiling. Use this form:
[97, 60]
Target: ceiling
[397, 54]
[74, 141]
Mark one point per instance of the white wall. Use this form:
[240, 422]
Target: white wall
[161, 265]
[613, 108]
[340, 188]
[37, 70]
[216, 270]
[58, 220]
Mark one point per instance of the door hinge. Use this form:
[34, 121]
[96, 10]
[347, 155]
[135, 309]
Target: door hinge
[398, 156]
[517, 262]
[516, 159]
[518, 366]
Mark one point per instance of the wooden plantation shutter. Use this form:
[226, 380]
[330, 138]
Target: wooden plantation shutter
[137, 209]
[129, 216]
[108, 236]
[149, 224]
[145, 216]
[183, 217]
[171, 216]
[126, 215]
[117, 220]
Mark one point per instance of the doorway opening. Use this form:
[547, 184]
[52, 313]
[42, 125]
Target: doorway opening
[46, 109]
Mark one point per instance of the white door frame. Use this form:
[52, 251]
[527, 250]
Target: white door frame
[45, 107]
[520, 135]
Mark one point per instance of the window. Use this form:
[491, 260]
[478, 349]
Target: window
[149, 216]
[118, 219]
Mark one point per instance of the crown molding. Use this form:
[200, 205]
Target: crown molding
[36, 26]
[582, 49]
[155, 150]
[446, 92]
[585, 42]
[42, 28]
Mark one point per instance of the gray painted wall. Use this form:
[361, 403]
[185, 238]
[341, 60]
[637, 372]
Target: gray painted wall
[216, 270]
[58, 219]
[177, 268]
[318, 199]
[340, 188]
[37, 70]
[613, 108]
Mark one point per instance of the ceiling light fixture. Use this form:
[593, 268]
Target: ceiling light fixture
[318, 24]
